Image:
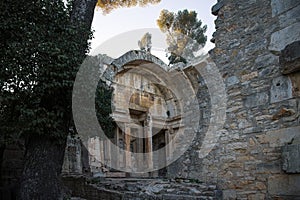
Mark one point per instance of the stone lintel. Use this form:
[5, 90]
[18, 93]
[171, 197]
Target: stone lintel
[290, 58]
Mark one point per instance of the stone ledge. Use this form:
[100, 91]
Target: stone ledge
[280, 39]
[290, 58]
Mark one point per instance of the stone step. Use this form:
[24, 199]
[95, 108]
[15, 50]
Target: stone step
[139, 189]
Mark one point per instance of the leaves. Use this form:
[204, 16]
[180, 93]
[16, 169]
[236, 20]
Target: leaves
[185, 34]
[108, 5]
[41, 51]
[165, 20]
[104, 109]
[40, 55]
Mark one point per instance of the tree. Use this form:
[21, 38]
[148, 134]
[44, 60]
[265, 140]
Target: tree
[185, 34]
[145, 43]
[42, 45]
[108, 6]
[41, 52]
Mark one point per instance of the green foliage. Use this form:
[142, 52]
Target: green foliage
[185, 34]
[165, 21]
[104, 109]
[41, 51]
[108, 6]
[92, 98]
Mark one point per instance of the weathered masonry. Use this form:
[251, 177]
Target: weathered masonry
[257, 152]
[152, 105]
[257, 52]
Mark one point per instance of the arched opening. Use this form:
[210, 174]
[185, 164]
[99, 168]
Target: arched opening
[145, 111]
[156, 114]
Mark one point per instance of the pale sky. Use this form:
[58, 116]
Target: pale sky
[127, 25]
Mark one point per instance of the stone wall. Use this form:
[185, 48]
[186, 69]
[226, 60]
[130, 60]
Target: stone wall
[257, 55]
[257, 154]
[263, 104]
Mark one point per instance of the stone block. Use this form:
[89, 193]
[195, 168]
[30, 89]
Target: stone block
[284, 37]
[295, 78]
[256, 46]
[250, 76]
[115, 174]
[284, 185]
[260, 186]
[266, 60]
[281, 89]
[280, 137]
[256, 197]
[232, 81]
[268, 167]
[290, 17]
[257, 99]
[283, 113]
[291, 158]
[289, 58]
[237, 146]
[280, 6]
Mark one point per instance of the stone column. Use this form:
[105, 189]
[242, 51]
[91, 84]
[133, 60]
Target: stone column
[139, 150]
[148, 143]
[115, 158]
[169, 144]
[101, 151]
[95, 153]
[167, 139]
[107, 152]
[127, 146]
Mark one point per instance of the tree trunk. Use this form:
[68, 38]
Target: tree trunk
[2, 148]
[82, 16]
[83, 12]
[42, 168]
[44, 157]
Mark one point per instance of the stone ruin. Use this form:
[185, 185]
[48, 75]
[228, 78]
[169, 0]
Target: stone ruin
[256, 154]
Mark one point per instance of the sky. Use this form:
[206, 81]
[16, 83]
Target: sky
[118, 32]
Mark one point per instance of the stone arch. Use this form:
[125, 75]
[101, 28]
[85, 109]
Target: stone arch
[136, 55]
[176, 91]
[153, 68]
[182, 81]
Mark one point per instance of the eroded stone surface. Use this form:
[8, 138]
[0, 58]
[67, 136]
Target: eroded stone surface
[291, 158]
[284, 185]
[284, 37]
[262, 105]
[280, 6]
[290, 58]
[145, 189]
[215, 9]
[281, 89]
[290, 17]
[281, 137]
